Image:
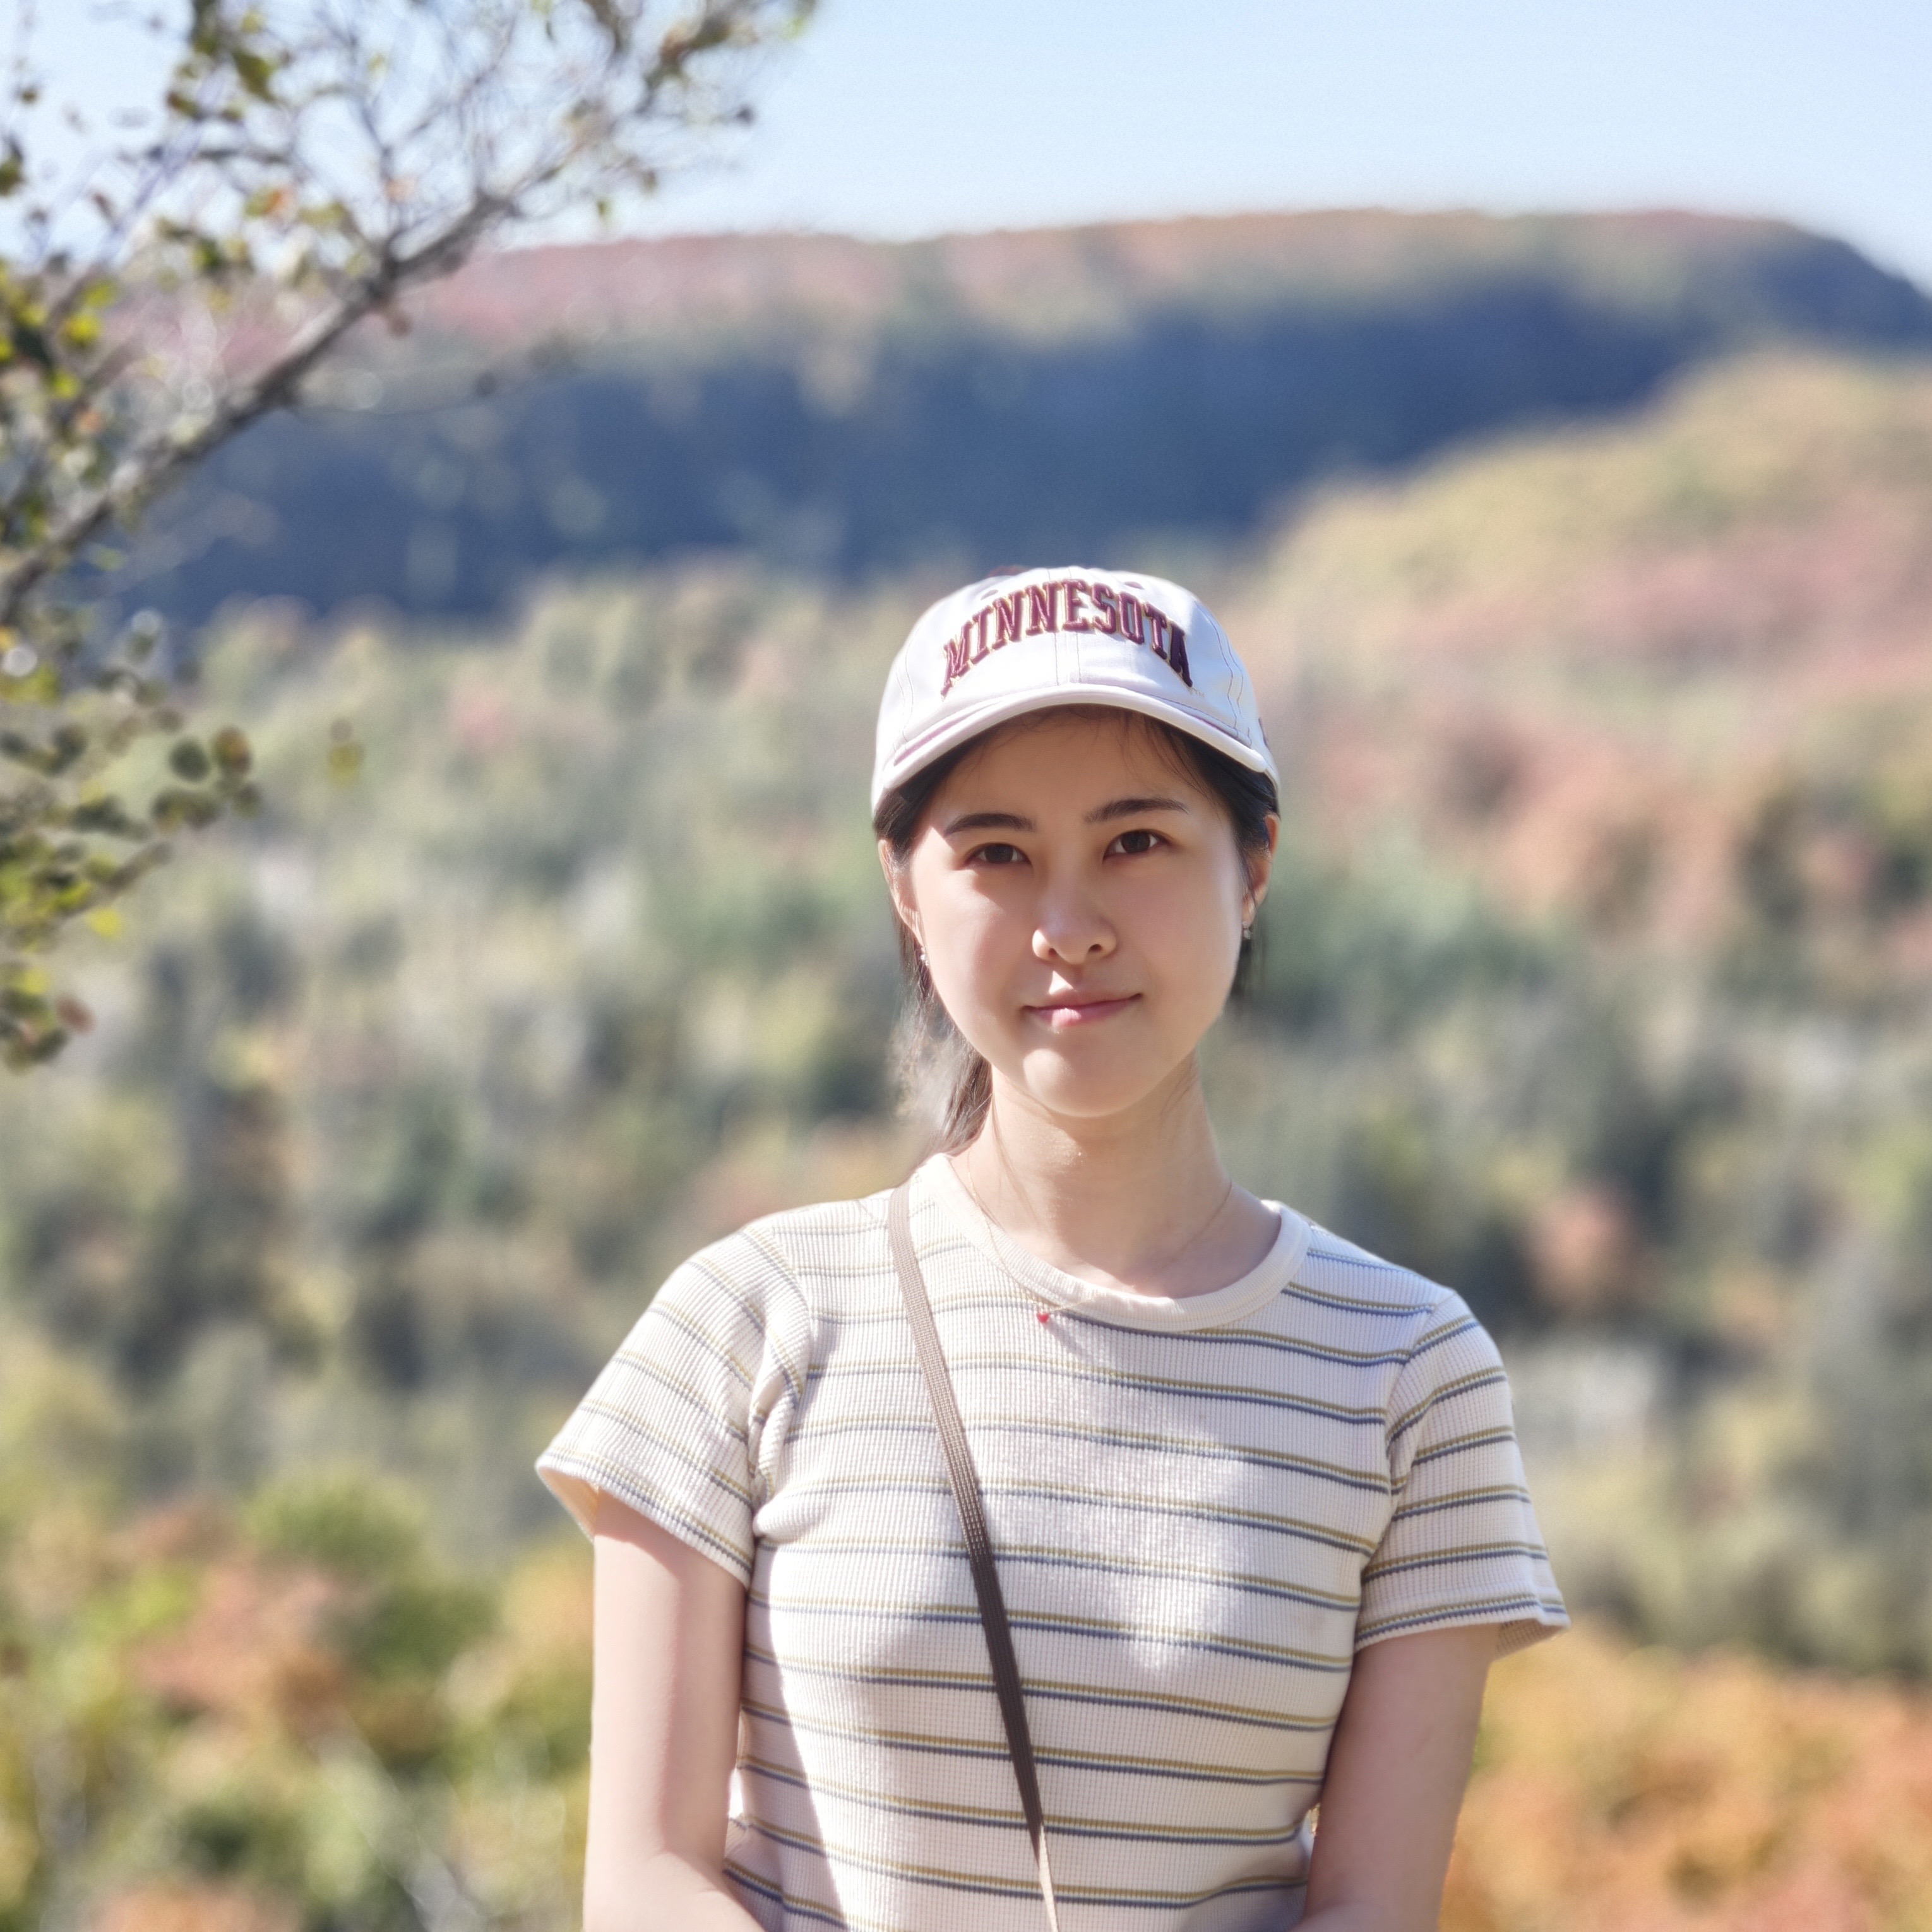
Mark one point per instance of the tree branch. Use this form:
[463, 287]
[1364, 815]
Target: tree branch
[151, 465]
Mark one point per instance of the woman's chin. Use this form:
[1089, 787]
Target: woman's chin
[1072, 1092]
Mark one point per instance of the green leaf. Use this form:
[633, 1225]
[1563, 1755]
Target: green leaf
[175, 808]
[255, 73]
[106, 817]
[188, 760]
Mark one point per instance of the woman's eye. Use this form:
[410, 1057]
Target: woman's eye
[1141, 840]
[999, 855]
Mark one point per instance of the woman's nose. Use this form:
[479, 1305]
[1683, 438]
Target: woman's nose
[1072, 929]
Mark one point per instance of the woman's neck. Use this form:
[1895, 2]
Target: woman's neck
[1139, 1201]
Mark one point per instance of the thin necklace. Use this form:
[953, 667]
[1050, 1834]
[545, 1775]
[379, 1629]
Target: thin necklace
[993, 1232]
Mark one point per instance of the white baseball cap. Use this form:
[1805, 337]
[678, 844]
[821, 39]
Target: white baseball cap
[1006, 646]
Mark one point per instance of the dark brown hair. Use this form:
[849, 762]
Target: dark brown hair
[930, 1043]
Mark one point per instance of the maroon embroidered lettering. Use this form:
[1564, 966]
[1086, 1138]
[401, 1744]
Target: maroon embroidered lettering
[1037, 610]
[1074, 586]
[1177, 655]
[956, 660]
[1006, 615]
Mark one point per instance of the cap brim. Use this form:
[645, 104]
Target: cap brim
[959, 726]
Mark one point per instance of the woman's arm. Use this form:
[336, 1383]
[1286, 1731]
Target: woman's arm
[1396, 1768]
[669, 1635]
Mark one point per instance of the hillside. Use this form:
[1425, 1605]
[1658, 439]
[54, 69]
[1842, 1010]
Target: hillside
[1664, 676]
[835, 405]
[1596, 983]
[688, 292]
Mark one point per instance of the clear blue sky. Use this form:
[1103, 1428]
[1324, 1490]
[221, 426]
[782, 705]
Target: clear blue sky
[909, 117]
[903, 117]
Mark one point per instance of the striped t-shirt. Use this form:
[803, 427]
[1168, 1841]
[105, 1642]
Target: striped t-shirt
[1201, 1508]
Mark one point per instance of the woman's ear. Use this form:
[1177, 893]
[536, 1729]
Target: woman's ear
[896, 883]
[1260, 865]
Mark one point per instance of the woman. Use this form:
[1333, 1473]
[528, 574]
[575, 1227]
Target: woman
[1254, 1495]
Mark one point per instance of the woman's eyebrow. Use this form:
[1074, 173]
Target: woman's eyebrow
[1011, 821]
[1132, 808]
[988, 821]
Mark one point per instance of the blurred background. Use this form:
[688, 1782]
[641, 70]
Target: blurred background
[1541, 394]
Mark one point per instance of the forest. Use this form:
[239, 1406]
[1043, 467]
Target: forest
[1595, 982]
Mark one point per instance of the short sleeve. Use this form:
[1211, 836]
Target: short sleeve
[685, 1421]
[1462, 1544]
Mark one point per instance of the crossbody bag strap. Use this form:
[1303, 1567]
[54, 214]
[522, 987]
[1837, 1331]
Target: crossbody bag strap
[965, 1481]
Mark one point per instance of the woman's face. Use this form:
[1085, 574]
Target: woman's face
[1080, 899]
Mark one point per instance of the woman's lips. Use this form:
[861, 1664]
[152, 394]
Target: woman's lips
[1062, 1015]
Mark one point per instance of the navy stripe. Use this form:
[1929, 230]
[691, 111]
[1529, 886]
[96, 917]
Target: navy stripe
[1038, 1691]
[1004, 1366]
[967, 1616]
[1188, 1512]
[1375, 1482]
[1060, 1759]
[1013, 1555]
[1006, 1821]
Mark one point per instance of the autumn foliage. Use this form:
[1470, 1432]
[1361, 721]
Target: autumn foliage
[1621, 1790]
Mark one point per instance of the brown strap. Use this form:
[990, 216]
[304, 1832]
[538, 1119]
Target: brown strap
[965, 1480]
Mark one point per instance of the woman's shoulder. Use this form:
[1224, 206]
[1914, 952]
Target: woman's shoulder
[805, 1250]
[1424, 1332]
[1355, 1283]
